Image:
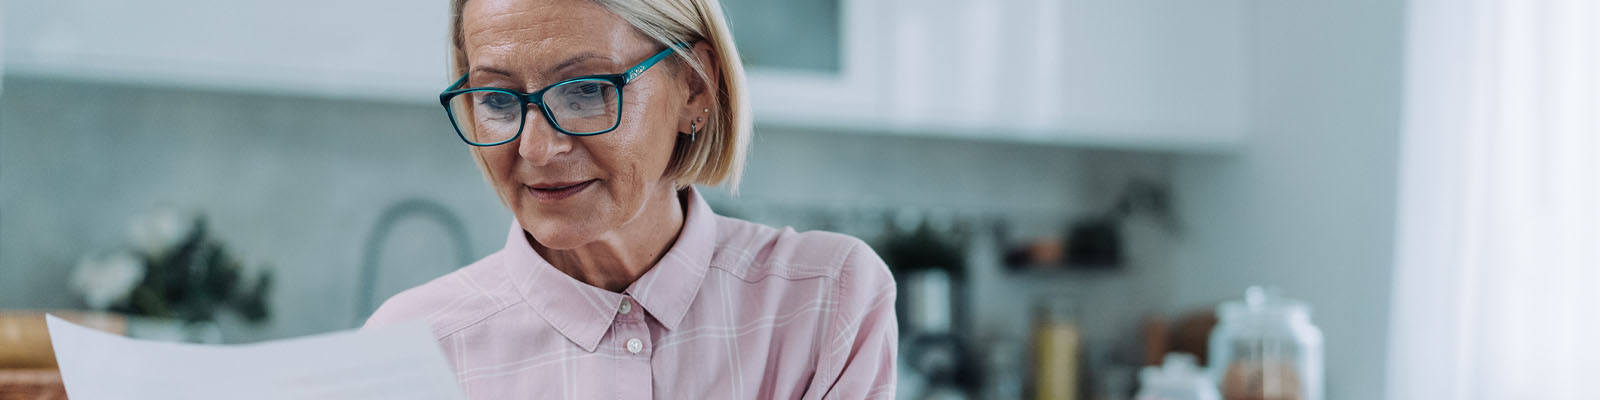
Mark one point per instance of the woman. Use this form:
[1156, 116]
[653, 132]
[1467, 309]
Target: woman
[592, 119]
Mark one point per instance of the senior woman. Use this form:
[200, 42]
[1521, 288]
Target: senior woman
[592, 119]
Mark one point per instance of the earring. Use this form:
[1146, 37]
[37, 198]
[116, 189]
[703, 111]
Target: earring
[693, 126]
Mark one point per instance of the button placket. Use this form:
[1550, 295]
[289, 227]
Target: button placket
[631, 334]
[631, 329]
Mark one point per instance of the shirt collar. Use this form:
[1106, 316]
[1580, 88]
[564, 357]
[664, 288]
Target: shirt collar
[668, 289]
[583, 313]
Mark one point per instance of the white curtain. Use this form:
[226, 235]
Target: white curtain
[1497, 280]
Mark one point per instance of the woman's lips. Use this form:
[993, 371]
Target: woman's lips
[558, 191]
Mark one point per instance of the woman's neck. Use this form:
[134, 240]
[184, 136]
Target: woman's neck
[623, 255]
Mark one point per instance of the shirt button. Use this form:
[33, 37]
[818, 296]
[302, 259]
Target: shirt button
[634, 346]
[625, 308]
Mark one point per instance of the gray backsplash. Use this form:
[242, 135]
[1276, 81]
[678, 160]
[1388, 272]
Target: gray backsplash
[298, 184]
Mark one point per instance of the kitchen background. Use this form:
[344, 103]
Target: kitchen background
[1273, 126]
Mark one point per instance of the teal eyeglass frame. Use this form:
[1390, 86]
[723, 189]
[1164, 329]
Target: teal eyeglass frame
[618, 80]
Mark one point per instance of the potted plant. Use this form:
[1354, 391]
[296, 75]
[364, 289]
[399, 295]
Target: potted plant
[177, 276]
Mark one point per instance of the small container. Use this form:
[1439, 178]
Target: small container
[1178, 378]
[1058, 349]
[1265, 348]
[928, 302]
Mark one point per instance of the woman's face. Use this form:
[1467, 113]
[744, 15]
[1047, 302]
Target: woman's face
[568, 191]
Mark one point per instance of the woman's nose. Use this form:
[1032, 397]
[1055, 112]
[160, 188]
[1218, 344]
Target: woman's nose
[540, 142]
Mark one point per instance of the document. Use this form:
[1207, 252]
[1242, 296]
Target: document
[396, 362]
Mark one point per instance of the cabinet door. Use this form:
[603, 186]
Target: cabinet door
[1117, 72]
[390, 50]
[810, 62]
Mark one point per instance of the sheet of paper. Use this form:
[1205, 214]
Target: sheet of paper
[398, 362]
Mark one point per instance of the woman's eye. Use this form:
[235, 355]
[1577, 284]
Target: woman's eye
[589, 89]
[584, 97]
[586, 92]
[498, 101]
[498, 106]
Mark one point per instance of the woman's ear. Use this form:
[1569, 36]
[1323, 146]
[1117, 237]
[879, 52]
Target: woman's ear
[703, 87]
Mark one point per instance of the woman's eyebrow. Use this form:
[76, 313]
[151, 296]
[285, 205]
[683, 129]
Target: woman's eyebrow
[570, 61]
[490, 70]
[478, 70]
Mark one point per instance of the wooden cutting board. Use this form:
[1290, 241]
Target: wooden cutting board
[25, 340]
[31, 384]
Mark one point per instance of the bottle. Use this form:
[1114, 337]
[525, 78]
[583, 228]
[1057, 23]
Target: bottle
[1265, 348]
[1178, 378]
[1057, 350]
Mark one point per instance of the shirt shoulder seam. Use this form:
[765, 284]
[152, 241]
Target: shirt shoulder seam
[469, 323]
[826, 368]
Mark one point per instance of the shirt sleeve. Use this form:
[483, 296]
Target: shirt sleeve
[863, 334]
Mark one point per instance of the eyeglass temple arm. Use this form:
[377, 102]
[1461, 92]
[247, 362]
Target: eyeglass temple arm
[650, 62]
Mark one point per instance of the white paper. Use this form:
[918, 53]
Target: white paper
[397, 362]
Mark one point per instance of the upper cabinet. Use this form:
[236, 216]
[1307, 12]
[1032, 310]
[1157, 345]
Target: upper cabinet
[812, 61]
[1147, 74]
[1155, 74]
[392, 50]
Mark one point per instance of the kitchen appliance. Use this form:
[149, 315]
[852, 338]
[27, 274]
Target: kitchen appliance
[934, 351]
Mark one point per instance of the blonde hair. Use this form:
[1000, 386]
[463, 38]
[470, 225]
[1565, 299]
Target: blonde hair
[716, 155]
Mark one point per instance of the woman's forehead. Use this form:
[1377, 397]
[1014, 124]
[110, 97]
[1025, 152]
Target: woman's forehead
[537, 36]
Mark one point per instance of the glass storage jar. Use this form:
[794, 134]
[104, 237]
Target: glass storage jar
[1264, 347]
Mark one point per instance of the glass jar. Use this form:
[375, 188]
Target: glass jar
[1265, 348]
[1058, 346]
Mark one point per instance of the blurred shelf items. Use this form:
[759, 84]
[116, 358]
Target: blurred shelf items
[1093, 241]
[1163, 75]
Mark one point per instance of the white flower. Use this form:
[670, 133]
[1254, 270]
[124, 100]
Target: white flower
[107, 279]
[160, 230]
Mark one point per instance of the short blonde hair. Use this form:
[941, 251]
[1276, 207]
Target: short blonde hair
[716, 156]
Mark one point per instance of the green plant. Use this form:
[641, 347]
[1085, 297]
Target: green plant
[193, 277]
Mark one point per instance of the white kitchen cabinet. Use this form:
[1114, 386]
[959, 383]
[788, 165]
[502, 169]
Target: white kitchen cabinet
[1152, 74]
[1146, 74]
[812, 63]
[393, 50]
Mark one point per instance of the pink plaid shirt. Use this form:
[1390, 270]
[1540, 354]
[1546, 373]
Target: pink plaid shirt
[735, 310]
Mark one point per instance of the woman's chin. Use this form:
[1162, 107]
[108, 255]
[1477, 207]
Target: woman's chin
[563, 225]
[555, 233]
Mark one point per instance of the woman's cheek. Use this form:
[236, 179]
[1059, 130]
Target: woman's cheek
[499, 166]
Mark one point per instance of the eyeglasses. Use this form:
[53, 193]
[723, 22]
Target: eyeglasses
[582, 106]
